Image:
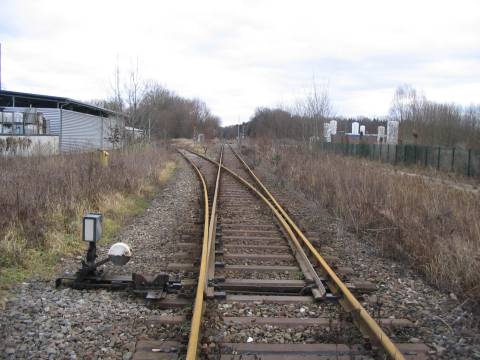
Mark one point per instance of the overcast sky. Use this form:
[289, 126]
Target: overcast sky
[238, 55]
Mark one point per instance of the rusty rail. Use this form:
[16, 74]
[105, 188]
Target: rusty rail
[199, 296]
[363, 320]
[212, 232]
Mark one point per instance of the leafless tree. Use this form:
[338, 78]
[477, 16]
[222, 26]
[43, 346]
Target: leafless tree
[431, 123]
[134, 88]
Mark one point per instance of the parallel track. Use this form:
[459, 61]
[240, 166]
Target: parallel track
[256, 261]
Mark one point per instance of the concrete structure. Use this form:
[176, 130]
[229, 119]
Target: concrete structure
[327, 132]
[78, 126]
[381, 137]
[392, 132]
[28, 145]
[355, 128]
[333, 127]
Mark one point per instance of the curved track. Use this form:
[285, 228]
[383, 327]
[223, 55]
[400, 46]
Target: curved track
[269, 293]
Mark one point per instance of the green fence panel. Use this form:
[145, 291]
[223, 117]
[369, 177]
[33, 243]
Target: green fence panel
[461, 161]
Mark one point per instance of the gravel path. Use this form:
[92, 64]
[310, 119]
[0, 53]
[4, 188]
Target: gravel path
[41, 322]
[441, 321]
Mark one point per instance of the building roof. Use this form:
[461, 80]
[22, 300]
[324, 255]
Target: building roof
[21, 99]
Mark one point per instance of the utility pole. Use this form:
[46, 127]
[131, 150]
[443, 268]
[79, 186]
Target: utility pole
[0, 66]
[149, 129]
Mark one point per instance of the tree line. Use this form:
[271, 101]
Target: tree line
[421, 121]
[158, 111]
[431, 123]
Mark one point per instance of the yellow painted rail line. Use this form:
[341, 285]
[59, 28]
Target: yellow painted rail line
[364, 321]
[212, 232]
[198, 306]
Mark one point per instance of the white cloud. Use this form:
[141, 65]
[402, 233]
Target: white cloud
[237, 55]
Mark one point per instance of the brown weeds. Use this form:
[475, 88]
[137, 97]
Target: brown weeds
[41, 194]
[434, 227]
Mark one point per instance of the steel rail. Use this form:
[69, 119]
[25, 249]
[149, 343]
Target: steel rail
[277, 214]
[194, 338]
[366, 322]
[212, 232]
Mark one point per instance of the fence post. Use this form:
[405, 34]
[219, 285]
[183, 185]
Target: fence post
[453, 159]
[388, 153]
[426, 156]
[438, 159]
[404, 154]
[415, 153]
[469, 160]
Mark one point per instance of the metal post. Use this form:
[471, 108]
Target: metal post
[453, 160]
[415, 154]
[438, 159]
[61, 131]
[469, 162]
[149, 129]
[426, 156]
[404, 154]
[101, 134]
[388, 153]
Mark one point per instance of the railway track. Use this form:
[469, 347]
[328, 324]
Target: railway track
[263, 290]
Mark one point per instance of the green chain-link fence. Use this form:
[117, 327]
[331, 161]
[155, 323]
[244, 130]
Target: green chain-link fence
[466, 162]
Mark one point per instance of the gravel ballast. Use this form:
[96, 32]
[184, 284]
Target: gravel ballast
[443, 322]
[42, 322]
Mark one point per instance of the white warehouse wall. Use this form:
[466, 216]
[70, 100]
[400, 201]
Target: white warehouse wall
[77, 131]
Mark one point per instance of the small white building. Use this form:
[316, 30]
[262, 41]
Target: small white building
[134, 132]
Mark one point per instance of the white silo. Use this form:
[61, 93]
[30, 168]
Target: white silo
[392, 132]
[355, 126]
[326, 132]
[362, 129]
[381, 134]
[333, 127]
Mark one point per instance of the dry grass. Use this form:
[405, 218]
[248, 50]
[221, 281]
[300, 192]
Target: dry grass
[44, 198]
[434, 227]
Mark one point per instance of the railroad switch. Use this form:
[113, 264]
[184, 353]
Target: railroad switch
[91, 276]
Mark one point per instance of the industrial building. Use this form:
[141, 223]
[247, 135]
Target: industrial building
[50, 124]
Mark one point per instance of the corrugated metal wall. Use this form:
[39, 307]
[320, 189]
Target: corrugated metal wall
[80, 132]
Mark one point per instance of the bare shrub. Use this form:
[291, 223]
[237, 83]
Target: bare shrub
[38, 193]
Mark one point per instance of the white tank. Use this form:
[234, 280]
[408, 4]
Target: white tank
[381, 131]
[355, 127]
[381, 134]
[333, 127]
[392, 132]
[326, 132]
[362, 129]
